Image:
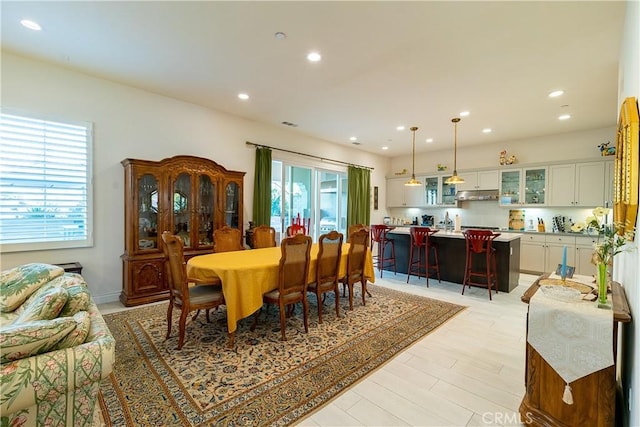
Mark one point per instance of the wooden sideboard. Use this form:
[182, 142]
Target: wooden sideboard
[189, 196]
[594, 396]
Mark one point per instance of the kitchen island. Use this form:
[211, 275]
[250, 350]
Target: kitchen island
[452, 252]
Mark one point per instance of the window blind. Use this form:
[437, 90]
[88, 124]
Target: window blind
[45, 191]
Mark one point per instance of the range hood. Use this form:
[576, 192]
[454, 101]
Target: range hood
[477, 195]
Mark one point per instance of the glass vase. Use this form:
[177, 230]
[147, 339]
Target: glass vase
[602, 286]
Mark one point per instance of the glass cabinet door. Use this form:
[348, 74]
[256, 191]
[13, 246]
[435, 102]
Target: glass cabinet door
[431, 190]
[181, 207]
[510, 187]
[206, 209]
[534, 186]
[147, 212]
[232, 194]
[448, 192]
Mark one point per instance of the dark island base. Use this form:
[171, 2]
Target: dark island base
[452, 252]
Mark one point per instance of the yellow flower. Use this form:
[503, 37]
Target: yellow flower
[599, 212]
[578, 227]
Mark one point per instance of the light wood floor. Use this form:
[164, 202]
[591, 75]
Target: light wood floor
[469, 372]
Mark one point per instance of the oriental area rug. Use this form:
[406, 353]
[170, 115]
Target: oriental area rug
[262, 381]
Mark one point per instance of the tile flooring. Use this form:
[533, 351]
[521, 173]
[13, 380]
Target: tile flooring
[468, 372]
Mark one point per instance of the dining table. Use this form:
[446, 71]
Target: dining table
[247, 275]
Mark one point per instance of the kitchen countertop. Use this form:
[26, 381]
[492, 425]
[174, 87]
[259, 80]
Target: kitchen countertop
[505, 236]
[406, 228]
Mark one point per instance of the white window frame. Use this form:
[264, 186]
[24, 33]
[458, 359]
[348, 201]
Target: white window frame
[71, 226]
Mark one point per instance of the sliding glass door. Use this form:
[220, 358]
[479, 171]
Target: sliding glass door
[317, 194]
[332, 202]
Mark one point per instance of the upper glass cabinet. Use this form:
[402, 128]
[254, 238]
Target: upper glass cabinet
[232, 196]
[182, 207]
[147, 212]
[523, 186]
[206, 210]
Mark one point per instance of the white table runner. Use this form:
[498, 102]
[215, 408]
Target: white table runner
[574, 337]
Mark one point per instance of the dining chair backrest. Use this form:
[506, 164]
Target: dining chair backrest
[227, 239]
[264, 237]
[479, 241]
[294, 264]
[357, 252]
[174, 250]
[355, 227]
[329, 253]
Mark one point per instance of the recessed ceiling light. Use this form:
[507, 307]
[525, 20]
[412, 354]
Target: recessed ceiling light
[314, 57]
[385, 148]
[486, 130]
[429, 140]
[400, 128]
[280, 35]
[32, 25]
[564, 117]
[464, 113]
[353, 138]
[243, 96]
[556, 93]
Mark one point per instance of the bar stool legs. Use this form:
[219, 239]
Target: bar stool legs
[420, 240]
[478, 242]
[379, 236]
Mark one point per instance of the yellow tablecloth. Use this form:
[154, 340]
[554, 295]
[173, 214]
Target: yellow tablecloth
[247, 275]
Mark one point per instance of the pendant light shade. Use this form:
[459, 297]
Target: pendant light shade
[413, 181]
[455, 179]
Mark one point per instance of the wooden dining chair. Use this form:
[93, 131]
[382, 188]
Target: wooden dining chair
[355, 264]
[327, 270]
[264, 237]
[181, 295]
[227, 239]
[293, 272]
[355, 227]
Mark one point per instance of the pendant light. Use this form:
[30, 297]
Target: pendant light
[455, 179]
[413, 181]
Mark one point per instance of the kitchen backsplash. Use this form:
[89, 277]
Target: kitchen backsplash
[482, 213]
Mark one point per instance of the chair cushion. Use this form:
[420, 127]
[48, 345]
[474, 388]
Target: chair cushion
[21, 340]
[18, 283]
[79, 334]
[47, 305]
[204, 294]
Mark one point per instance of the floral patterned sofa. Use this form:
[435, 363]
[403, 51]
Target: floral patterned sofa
[55, 348]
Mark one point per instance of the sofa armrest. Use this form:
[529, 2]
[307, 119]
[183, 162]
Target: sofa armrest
[44, 377]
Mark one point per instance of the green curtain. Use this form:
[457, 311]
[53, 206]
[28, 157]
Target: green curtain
[262, 187]
[359, 195]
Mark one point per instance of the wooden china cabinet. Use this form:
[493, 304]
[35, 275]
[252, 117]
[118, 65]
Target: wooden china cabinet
[189, 196]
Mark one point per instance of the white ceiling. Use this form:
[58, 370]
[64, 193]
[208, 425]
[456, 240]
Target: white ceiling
[384, 63]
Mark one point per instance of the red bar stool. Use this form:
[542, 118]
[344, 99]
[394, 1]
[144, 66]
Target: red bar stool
[420, 240]
[379, 236]
[480, 242]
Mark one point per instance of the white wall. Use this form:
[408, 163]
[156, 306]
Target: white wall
[625, 268]
[132, 123]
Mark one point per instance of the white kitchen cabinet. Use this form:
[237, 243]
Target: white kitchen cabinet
[584, 252]
[554, 249]
[525, 186]
[447, 192]
[577, 184]
[608, 183]
[532, 253]
[400, 195]
[480, 180]
[541, 253]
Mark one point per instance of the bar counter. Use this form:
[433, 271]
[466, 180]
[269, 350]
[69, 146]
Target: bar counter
[452, 252]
